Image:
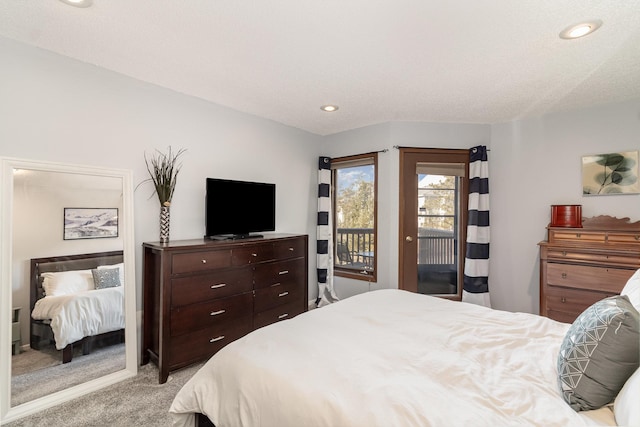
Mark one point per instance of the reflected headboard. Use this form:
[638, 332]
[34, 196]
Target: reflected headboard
[67, 263]
[40, 330]
[60, 263]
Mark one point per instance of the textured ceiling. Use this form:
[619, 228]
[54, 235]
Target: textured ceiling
[458, 61]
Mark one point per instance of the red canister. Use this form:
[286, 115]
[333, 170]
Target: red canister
[566, 216]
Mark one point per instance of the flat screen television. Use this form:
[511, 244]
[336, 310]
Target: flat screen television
[236, 209]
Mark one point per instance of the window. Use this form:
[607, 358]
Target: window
[355, 185]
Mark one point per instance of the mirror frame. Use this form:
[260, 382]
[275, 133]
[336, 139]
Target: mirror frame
[7, 167]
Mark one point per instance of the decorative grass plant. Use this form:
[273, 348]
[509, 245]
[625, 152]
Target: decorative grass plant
[163, 169]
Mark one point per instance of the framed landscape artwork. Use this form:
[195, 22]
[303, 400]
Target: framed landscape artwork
[90, 223]
[610, 173]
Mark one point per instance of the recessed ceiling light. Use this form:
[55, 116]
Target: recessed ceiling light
[580, 30]
[78, 3]
[329, 108]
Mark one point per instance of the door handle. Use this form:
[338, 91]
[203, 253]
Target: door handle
[409, 239]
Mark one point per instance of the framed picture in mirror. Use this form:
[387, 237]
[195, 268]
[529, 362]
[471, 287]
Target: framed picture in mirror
[90, 223]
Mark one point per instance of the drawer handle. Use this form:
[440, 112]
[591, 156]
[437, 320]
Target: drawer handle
[283, 294]
[578, 235]
[283, 272]
[637, 237]
[564, 275]
[215, 313]
[212, 340]
[219, 285]
[254, 255]
[204, 261]
[291, 249]
[564, 253]
[282, 316]
[563, 300]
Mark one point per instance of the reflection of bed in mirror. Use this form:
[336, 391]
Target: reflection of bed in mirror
[77, 300]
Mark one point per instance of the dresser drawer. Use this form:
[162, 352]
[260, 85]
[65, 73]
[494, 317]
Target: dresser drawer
[253, 254]
[293, 248]
[204, 287]
[570, 301]
[562, 316]
[577, 236]
[273, 296]
[220, 313]
[277, 314]
[203, 343]
[592, 257]
[272, 273]
[625, 238]
[200, 261]
[587, 277]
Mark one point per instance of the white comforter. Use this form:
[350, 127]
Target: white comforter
[388, 358]
[83, 314]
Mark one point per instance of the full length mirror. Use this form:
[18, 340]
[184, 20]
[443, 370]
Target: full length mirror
[67, 314]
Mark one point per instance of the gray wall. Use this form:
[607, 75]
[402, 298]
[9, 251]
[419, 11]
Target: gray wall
[57, 109]
[536, 163]
[378, 137]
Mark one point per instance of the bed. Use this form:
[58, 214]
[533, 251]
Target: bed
[77, 300]
[395, 358]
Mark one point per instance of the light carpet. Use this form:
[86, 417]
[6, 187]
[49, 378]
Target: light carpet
[137, 401]
[39, 373]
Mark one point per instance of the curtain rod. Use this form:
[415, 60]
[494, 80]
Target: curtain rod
[384, 150]
[397, 147]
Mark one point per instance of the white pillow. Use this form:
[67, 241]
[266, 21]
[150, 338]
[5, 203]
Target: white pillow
[67, 282]
[119, 266]
[632, 290]
[626, 407]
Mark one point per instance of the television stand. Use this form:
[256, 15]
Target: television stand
[217, 237]
[234, 236]
[246, 236]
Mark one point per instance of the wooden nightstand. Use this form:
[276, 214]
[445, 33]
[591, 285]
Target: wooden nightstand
[16, 338]
[579, 266]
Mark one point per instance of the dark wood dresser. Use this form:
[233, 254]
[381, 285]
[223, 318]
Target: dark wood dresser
[579, 266]
[199, 295]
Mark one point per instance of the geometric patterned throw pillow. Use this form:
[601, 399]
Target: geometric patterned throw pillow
[106, 278]
[599, 353]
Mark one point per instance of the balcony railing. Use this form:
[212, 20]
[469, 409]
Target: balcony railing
[436, 246]
[355, 247]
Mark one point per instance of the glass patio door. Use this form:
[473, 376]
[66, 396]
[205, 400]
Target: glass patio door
[433, 220]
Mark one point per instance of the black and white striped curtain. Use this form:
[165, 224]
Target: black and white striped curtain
[476, 263]
[326, 293]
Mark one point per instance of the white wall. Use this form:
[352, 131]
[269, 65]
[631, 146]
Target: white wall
[57, 109]
[536, 163]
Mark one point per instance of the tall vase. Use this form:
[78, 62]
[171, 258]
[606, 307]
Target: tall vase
[164, 224]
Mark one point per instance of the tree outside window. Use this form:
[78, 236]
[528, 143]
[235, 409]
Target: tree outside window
[355, 216]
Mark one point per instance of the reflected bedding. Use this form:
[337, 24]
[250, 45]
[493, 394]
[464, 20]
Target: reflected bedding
[82, 314]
